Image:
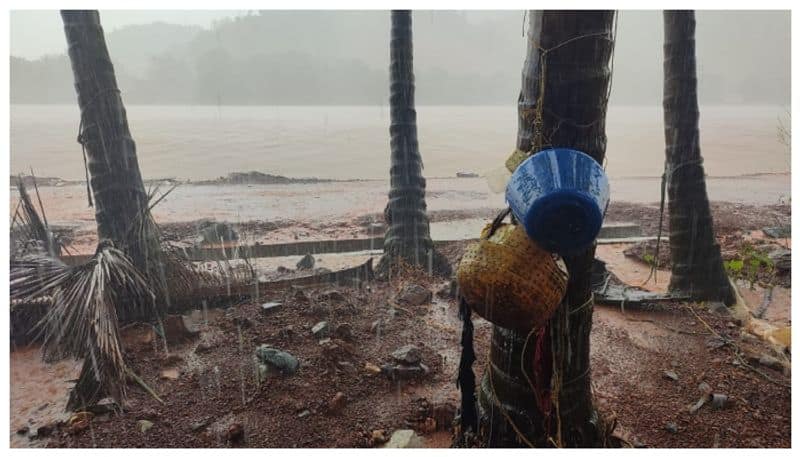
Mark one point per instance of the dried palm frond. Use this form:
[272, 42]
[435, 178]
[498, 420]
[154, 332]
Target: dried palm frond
[30, 229]
[83, 319]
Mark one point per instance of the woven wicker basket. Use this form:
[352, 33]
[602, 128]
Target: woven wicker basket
[510, 281]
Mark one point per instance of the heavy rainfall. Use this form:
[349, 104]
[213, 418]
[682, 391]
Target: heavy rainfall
[400, 229]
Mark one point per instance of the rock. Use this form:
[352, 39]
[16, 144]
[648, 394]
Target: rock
[778, 232]
[376, 328]
[322, 271]
[235, 433]
[702, 401]
[144, 425]
[447, 290]
[671, 427]
[204, 347]
[671, 375]
[372, 369]
[215, 232]
[404, 439]
[718, 401]
[704, 388]
[770, 362]
[333, 295]
[397, 372]
[283, 270]
[321, 329]
[303, 413]
[781, 258]
[414, 295]
[407, 355]
[201, 424]
[269, 307]
[344, 331]
[276, 360]
[378, 437]
[306, 263]
[338, 403]
[715, 342]
[718, 307]
[171, 374]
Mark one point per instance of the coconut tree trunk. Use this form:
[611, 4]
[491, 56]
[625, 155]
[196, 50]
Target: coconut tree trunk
[408, 236]
[562, 103]
[697, 268]
[110, 152]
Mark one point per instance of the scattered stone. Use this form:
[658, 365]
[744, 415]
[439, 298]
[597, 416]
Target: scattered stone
[702, 401]
[269, 307]
[201, 424]
[770, 362]
[337, 403]
[144, 425]
[275, 360]
[379, 437]
[171, 374]
[408, 355]
[447, 290]
[333, 295]
[784, 231]
[371, 368]
[303, 413]
[235, 433]
[671, 427]
[215, 232]
[306, 263]
[715, 342]
[414, 295]
[321, 329]
[396, 372]
[671, 375]
[718, 307]
[718, 401]
[45, 430]
[404, 439]
[203, 348]
[377, 327]
[344, 331]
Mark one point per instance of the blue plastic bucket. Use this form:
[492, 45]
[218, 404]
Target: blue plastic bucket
[560, 196]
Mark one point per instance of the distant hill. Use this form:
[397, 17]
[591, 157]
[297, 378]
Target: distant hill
[342, 57]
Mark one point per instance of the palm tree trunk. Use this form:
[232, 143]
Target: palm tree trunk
[697, 268]
[562, 103]
[408, 235]
[116, 182]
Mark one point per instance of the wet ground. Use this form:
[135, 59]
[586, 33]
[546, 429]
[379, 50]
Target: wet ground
[216, 386]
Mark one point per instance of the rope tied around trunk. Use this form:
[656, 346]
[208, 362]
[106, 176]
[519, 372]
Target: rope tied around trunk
[82, 139]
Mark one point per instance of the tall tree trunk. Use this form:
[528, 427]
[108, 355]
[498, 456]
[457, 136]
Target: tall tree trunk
[120, 199]
[408, 236]
[565, 85]
[697, 267]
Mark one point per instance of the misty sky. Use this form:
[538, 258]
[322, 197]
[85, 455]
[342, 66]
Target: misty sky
[460, 57]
